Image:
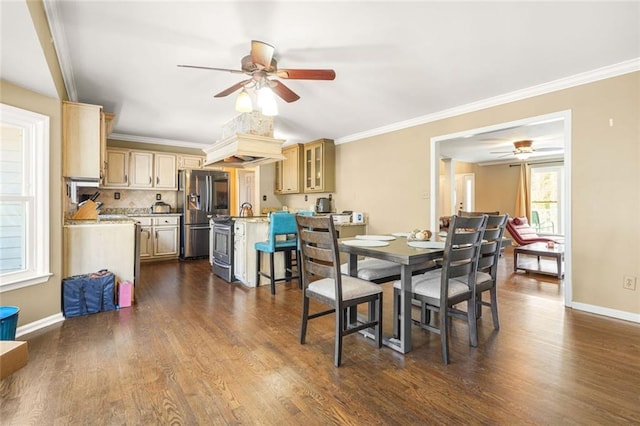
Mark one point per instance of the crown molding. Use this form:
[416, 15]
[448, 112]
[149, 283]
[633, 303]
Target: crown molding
[609, 71]
[52, 10]
[155, 141]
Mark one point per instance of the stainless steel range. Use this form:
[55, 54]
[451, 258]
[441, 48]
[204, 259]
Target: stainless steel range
[222, 247]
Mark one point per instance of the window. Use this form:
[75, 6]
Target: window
[24, 198]
[547, 194]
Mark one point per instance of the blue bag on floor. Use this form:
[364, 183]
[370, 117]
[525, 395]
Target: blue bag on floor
[88, 294]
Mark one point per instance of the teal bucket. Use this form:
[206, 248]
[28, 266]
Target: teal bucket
[8, 322]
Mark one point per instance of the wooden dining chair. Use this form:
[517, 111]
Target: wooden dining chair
[439, 290]
[323, 282]
[486, 277]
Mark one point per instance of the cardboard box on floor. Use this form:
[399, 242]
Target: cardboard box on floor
[13, 356]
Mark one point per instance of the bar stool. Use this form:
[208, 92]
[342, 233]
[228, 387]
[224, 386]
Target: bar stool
[281, 223]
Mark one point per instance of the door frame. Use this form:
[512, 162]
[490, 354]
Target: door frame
[435, 175]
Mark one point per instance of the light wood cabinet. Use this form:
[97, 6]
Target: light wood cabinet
[83, 136]
[277, 188]
[140, 169]
[291, 173]
[319, 166]
[117, 170]
[159, 237]
[84, 133]
[166, 175]
[190, 161]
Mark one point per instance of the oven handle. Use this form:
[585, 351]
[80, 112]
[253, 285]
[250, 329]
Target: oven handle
[223, 228]
[220, 264]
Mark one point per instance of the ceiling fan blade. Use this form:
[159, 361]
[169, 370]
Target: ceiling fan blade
[549, 148]
[261, 53]
[232, 89]
[214, 69]
[283, 91]
[307, 74]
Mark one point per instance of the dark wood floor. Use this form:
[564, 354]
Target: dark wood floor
[197, 350]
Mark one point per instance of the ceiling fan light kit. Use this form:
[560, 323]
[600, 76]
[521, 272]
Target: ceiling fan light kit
[243, 101]
[261, 67]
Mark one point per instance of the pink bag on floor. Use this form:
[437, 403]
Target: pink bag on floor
[125, 290]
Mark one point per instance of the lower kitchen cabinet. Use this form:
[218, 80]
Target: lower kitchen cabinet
[159, 237]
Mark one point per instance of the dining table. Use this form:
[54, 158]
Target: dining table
[410, 258]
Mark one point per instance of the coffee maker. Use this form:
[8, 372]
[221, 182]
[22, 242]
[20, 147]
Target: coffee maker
[323, 205]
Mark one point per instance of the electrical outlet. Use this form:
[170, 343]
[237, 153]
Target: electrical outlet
[158, 197]
[629, 282]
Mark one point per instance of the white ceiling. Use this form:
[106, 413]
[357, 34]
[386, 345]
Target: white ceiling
[395, 61]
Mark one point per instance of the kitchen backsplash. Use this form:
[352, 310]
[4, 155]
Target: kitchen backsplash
[132, 199]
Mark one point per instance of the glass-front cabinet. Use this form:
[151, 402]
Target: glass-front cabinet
[319, 166]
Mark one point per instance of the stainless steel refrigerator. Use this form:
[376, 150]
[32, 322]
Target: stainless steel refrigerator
[202, 194]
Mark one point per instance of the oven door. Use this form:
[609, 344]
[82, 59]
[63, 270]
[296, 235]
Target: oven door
[222, 243]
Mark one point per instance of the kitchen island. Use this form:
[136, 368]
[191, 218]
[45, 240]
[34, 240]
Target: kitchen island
[250, 230]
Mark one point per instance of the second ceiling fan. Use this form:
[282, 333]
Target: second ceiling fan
[262, 67]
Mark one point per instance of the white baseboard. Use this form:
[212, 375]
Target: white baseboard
[614, 313]
[37, 325]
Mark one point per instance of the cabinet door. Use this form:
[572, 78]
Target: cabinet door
[81, 135]
[146, 242]
[117, 168]
[166, 171]
[278, 180]
[190, 162]
[141, 170]
[166, 241]
[291, 170]
[319, 166]
[312, 168]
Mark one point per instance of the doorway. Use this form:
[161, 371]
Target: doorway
[437, 143]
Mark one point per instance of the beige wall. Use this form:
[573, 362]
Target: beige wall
[385, 176]
[43, 300]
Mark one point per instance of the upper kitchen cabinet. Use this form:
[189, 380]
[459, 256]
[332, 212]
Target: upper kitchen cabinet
[190, 161]
[84, 134]
[141, 169]
[288, 171]
[319, 166]
[117, 172]
[165, 171]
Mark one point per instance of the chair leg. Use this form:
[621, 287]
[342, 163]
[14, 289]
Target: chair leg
[273, 274]
[478, 306]
[287, 265]
[473, 324]
[258, 253]
[378, 328]
[337, 357]
[444, 332]
[494, 307]
[305, 318]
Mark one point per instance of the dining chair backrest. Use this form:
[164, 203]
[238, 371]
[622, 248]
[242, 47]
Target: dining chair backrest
[281, 223]
[492, 243]
[462, 250]
[319, 250]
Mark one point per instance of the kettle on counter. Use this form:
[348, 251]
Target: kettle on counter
[246, 209]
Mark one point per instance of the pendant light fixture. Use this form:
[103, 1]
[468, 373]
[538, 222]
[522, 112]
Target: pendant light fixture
[243, 101]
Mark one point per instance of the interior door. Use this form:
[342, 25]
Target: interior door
[465, 192]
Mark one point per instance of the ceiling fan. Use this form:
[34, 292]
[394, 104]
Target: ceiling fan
[524, 149]
[262, 67]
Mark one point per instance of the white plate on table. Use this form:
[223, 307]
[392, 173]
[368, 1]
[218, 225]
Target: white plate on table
[375, 237]
[401, 234]
[439, 245]
[365, 243]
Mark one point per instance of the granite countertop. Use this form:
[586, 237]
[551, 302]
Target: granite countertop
[109, 219]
